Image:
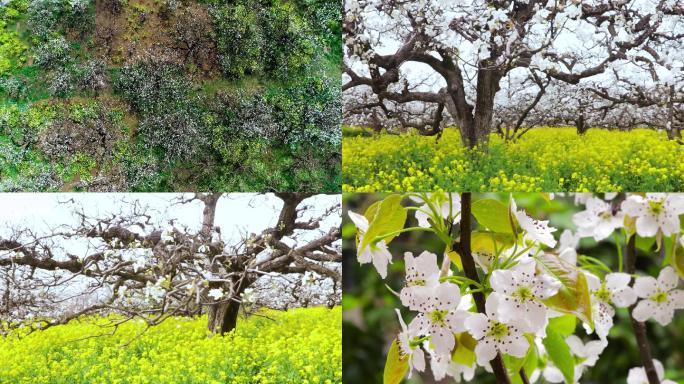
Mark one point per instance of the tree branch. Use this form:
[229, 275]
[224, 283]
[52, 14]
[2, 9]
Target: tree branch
[471, 273]
[640, 327]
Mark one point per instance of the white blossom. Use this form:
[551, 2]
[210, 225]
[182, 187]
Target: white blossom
[535, 230]
[494, 335]
[422, 276]
[597, 220]
[440, 316]
[614, 290]
[638, 375]
[376, 253]
[660, 298]
[521, 292]
[656, 211]
[216, 293]
[443, 365]
[449, 209]
[409, 345]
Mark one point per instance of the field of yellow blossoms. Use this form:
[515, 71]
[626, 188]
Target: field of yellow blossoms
[299, 346]
[544, 159]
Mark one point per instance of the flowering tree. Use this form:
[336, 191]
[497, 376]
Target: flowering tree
[506, 295]
[129, 264]
[455, 58]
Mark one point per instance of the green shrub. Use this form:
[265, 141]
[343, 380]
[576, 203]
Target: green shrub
[254, 39]
[48, 18]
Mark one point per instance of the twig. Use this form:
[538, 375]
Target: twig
[471, 272]
[640, 327]
[523, 376]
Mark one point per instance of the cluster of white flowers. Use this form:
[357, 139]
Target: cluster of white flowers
[522, 283]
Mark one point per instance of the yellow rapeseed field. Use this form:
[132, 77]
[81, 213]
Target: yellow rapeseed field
[544, 159]
[300, 346]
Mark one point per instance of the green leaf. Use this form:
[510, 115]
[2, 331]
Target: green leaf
[395, 367]
[529, 363]
[563, 325]
[492, 214]
[485, 245]
[464, 352]
[384, 217]
[559, 353]
[455, 258]
[677, 260]
[573, 297]
[645, 243]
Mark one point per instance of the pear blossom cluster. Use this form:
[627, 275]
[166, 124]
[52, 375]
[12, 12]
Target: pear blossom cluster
[523, 278]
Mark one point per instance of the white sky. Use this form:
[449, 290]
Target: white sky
[236, 213]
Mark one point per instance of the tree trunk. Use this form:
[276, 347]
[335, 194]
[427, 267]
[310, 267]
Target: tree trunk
[222, 317]
[216, 315]
[230, 317]
[581, 125]
[674, 131]
[479, 127]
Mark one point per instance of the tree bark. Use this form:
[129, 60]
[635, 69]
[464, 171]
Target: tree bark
[471, 272]
[216, 313]
[487, 86]
[581, 125]
[639, 327]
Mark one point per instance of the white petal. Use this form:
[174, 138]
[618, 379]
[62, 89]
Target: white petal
[576, 345]
[617, 280]
[594, 348]
[419, 324]
[426, 266]
[401, 321]
[668, 279]
[456, 320]
[643, 310]
[492, 305]
[603, 318]
[669, 225]
[624, 297]
[664, 313]
[451, 210]
[502, 281]
[645, 286]
[477, 325]
[550, 285]
[647, 226]
[446, 296]
[381, 257]
[637, 376]
[439, 365]
[535, 317]
[660, 371]
[515, 345]
[418, 360]
[485, 351]
[422, 216]
[634, 206]
[442, 339]
[360, 221]
[676, 297]
[553, 374]
[593, 281]
[603, 230]
[365, 255]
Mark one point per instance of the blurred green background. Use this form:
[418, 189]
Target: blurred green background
[370, 322]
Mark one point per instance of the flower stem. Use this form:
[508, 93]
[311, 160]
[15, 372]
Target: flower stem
[618, 245]
[471, 272]
[523, 376]
[640, 327]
